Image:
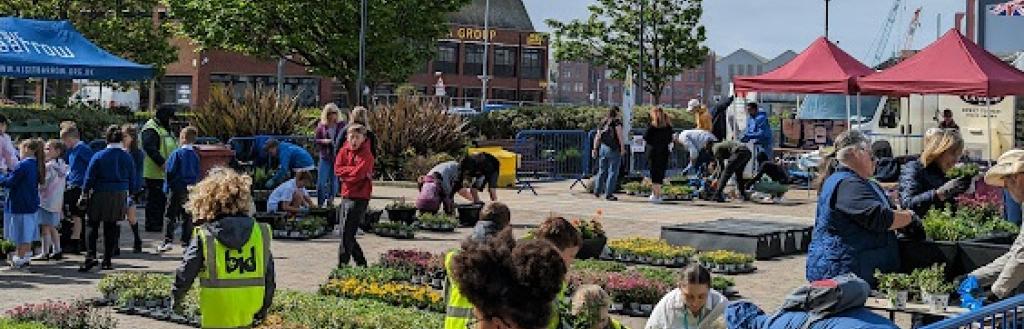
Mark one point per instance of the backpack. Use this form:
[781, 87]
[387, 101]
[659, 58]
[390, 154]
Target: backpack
[822, 299]
[607, 134]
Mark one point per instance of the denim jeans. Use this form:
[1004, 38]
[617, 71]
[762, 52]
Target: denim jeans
[607, 171]
[326, 182]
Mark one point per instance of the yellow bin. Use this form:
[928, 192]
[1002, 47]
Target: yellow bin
[507, 162]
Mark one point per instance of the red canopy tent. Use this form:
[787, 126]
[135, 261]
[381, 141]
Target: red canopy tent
[952, 65]
[822, 68]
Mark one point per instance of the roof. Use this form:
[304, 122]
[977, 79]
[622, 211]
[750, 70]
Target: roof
[744, 52]
[505, 14]
[952, 65]
[821, 68]
[782, 59]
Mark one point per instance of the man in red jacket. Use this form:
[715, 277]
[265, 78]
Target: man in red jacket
[354, 166]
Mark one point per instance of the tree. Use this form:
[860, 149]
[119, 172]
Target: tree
[322, 35]
[673, 39]
[124, 27]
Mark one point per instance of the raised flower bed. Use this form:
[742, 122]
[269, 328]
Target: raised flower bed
[437, 223]
[649, 251]
[727, 262]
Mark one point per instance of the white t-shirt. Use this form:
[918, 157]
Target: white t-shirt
[283, 193]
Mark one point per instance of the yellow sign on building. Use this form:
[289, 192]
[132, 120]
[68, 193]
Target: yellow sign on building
[469, 33]
[535, 39]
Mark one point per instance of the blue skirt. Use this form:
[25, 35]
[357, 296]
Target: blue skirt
[48, 218]
[21, 228]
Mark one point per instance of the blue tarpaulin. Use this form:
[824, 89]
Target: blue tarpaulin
[54, 49]
[833, 107]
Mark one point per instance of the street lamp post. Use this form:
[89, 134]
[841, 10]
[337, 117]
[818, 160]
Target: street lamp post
[487, 40]
[362, 53]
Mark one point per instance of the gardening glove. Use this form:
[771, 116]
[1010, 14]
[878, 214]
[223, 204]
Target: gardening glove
[954, 187]
[969, 291]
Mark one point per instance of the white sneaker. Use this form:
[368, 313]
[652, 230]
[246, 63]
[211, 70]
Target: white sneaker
[164, 247]
[655, 200]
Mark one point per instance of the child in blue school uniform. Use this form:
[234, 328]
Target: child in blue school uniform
[182, 170]
[20, 224]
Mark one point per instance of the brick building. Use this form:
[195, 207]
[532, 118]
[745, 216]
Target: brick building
[517, 57]
[577, 82]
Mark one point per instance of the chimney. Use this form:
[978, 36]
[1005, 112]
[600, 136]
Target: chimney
[958, 21]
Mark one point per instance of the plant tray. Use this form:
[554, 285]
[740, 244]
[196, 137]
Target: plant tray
[748, 270]
[974, 254]
[394, 236]
[762, 241]
[436, 228]
[679, 198]
[298, 235]
[407, 216]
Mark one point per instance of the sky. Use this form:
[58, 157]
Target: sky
[770, 27]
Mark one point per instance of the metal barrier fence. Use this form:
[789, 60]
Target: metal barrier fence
[1004, 314]
[553, 154]
[677, 161]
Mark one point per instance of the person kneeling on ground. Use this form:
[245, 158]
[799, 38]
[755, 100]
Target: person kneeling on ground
[236, 285]
[494, 218]
[291, 197]
[432, 195]
[731, 157]
[826, 304]
[591, 302]
[693, 304]
[511, 285]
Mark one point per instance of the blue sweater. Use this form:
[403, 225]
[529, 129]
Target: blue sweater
[23, 185]
[760, 129]
[138, 156]
[111, 170]
[182, 169]
[78, 160]
[291, 156]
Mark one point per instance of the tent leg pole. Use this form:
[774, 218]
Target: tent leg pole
[44, 93]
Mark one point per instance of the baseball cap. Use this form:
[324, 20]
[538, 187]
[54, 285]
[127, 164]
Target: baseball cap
[1011, 162]
[694, 103]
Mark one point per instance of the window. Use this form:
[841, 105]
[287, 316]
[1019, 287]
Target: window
[474, 60]
[174, 90]
[579, 87]
[740, 71]
[760, 69]
[567, 74]
[503, 94]
[530, 96]
[607, 74]
[505, 62]
[447, 60]
[532, 66]
[890, 117]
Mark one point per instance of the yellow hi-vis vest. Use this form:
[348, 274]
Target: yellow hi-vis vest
[459, 310]
[168, 143]
[232, 283]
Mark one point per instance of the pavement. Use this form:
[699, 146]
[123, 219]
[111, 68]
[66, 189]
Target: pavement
[304, 265]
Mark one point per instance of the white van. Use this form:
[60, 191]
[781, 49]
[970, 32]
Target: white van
[106, 96]
[988, 130]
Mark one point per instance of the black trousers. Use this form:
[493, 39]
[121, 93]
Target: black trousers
[657, 157]
[354, 212]
[774, 171]
[109, 239]
[156, 204]
[176, 212]
[733, 167]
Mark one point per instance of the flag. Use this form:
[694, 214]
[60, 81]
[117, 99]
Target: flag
[1011, 8]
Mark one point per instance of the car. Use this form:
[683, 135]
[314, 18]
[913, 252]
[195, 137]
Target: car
[463, 111]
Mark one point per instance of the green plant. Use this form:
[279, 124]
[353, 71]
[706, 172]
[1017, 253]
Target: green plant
[12, 324]
[592, 228]
[372, 274]
[416, 164]
[677, 191]
[400, 204]
[438, 219]
[598, 266]
[413, 127]
[258, 112]
[399, 294]
[965, 223]
[932, 280]
[894, 282]
[967, 170]
[6, 247]
[632, 187]
[310, 225]
[91, 121]
[314, 311]
[721, 283]
[62, 315]
[664, 276]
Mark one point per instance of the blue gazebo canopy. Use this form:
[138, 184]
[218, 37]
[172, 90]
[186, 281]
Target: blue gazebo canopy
[54, 49]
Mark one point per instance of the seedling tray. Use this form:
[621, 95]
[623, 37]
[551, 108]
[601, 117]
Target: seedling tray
[974, 254]
[761, 242]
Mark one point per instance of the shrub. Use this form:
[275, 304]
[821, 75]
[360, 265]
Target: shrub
[413, 127]
[91, 121]
[258, 112]
[416, 165]
[506, 123]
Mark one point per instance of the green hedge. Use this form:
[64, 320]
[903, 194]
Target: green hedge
[91, 121]
[506, 123]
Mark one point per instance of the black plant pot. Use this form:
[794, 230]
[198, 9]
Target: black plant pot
[407, 216]
[469, 214]
[592, 248]
[370, 220]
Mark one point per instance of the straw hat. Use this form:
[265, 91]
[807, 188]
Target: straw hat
[1011, 162]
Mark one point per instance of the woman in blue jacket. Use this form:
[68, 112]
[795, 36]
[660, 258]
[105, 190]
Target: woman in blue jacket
[855, 223]
[109, 179]
[923, 182]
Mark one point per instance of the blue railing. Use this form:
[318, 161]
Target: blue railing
[554, 154]
[1003, 314]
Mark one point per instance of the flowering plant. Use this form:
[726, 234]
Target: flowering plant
[78, 315]
[645, 247]
[632, 288]
[372, 274]
[592, 228]
[414, 261]
[400, 294]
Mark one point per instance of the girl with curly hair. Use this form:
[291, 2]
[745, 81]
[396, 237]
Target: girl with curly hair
[512, 285]
[229, 252]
